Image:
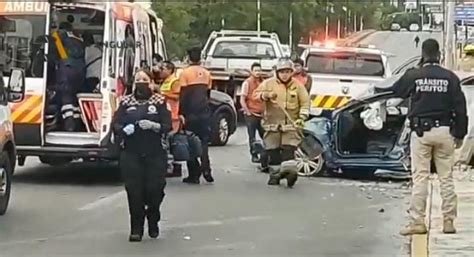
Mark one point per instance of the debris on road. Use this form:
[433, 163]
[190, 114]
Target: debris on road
[382, 210]
[187, 238]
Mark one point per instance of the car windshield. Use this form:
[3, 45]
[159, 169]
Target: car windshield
[346, 63]
[239, 49]
[19, 45]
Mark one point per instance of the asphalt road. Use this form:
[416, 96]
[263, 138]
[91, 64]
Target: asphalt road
[81, 210]
[401, 44]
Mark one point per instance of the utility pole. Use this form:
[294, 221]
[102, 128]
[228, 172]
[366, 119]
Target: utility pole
[449, 47]
[443, 39]
[258, 16]
[355, 22]
[290, 27]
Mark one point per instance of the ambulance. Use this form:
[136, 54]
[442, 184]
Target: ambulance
[26, 30]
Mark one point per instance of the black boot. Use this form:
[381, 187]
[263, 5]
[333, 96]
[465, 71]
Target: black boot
[136, 233]
[208, 176]
[69, 124]
[291, 179]
[274, 179]
[135, 238]
[191, 180]
[153, 229]
[255, 158]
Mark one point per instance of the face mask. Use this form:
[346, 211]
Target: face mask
[142, 90]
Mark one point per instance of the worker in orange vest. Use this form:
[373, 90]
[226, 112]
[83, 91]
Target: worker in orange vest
[253, 108]
[194, 100]
[170, 88]
[301, 76]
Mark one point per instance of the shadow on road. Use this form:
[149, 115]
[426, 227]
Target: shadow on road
[70, 174]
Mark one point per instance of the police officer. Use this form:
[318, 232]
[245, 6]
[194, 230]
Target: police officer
[438, 119]
[70, 74]
[196, 84]
[143, 117]
[286, 109]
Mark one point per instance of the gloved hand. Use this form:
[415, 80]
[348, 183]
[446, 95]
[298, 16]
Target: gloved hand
[147, 124]
[129, 129]
[458, 143]
[270, 95]
[300, 123]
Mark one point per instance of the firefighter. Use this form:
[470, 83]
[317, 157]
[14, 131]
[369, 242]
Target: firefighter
[301, 76]
[252, 108]
[286, 109]
[70, 74]
[196, 84]
[438, 120]
[143, 117]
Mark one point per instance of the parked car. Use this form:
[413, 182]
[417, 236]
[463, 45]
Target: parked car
[224, 118]
[14, 90]
[395, 27]
[351, 142]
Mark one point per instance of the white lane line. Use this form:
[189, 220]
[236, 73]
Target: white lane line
[103, 201]
[211, 223]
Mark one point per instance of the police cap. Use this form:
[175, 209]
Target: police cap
[284, 65]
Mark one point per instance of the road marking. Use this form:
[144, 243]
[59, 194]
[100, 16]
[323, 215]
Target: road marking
[419, 243]
[210, 223]
[103, 201]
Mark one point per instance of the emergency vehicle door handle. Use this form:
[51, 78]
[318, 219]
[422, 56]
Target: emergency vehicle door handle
[346, 80]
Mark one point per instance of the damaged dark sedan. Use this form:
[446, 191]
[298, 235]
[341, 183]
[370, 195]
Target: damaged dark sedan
[369, 134]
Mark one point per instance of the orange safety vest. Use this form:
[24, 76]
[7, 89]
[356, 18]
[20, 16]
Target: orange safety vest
[255, 106]
[170, 89]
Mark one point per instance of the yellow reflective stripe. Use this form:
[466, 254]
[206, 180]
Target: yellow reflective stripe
[60, 46]
[167, 86]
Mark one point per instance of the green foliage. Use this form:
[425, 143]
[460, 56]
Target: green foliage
[189, 23]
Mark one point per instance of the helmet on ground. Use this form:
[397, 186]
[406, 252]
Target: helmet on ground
[284, 65]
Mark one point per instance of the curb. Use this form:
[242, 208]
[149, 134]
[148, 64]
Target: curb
[420, 243]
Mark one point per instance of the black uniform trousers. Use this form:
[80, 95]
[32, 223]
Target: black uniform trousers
[201, 128]
[145, 181]
[71, 80]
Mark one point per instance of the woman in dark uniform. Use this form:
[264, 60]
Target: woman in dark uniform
[141, 123]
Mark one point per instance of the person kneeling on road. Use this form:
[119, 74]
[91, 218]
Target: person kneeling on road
[143, 117]
[286, 109]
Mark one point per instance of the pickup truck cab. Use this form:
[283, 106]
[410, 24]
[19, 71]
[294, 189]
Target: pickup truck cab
[342, 73]
[231, 53]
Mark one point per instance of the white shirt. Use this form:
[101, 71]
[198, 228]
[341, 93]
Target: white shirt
[93, 70]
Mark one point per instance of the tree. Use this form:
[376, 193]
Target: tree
[189, 23]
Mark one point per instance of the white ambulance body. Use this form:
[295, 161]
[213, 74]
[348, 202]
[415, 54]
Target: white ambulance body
[22, 39]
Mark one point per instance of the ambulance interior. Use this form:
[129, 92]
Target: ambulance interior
[89, 24]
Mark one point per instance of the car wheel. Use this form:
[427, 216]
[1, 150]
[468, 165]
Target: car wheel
[5, 181]
[221, 129]
[309, 167]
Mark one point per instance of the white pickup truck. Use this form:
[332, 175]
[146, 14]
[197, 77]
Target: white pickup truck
[342, 73]
[229, 54]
